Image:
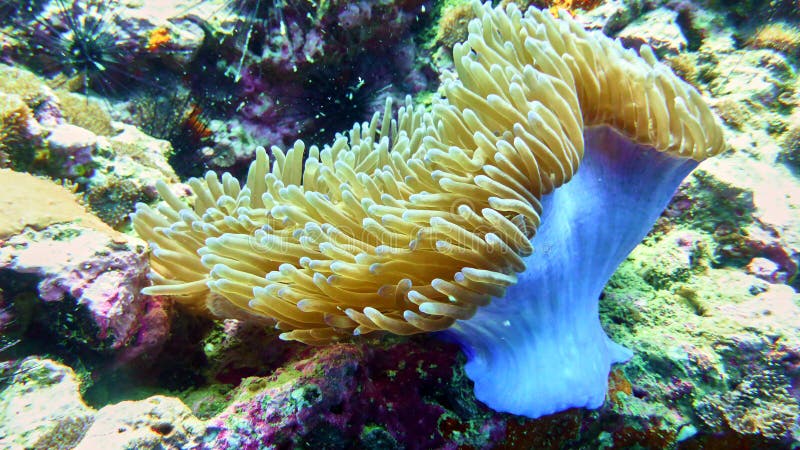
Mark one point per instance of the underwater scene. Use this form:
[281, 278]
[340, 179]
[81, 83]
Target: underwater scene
[399, 224]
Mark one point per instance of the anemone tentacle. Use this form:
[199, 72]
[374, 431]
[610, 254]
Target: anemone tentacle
[407, 222]
[413, 222]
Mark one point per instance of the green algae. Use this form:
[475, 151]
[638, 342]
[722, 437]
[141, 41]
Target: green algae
[715, 204]
[253, 386]
[207, 401]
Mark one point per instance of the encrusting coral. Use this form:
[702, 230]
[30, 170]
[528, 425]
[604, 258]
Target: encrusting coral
[413, 223]
[778, 36]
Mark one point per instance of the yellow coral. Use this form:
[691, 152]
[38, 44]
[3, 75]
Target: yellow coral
[409, 222]
[15, 118]
[778, 36]
[23, 83]
[85, 112]
[453, 25]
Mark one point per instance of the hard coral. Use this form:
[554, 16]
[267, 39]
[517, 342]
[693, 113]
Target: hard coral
[33, 91]
[760, 405]
[778, 36]
[18, 133]
[85, 112]
[114, 201]
[453, 25]
[790, 141]
[454, 201]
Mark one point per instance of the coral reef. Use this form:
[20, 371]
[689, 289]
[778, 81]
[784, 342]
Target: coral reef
[176, 117]
[41, 405]
[70, 136]
[29, 201]
[114, 200]
[760, 404]
[658, 29]
[728, 341]
[86, 113]
[348, 394]
[70, 148]
[311, 70]
[790, 142]
[452, 28]
[90, 295]
[19, 133]
[97, 42]
[707, 302]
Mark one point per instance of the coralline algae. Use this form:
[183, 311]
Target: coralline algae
[99, 275]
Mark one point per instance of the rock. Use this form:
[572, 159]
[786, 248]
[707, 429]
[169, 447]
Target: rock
[41, 406]
[610, 16]
[747, 205]
[133, 154]
[658, 29]
[100, 275]
[128, 166]
[790, 142]
[717, 344]
[71, 148]
[141, 33]
[157, 422]
[766, 270]
[354, 396]
[28, 201]
[163, 30]
[64, 270]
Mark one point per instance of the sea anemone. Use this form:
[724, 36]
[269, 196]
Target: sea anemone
[471, 218]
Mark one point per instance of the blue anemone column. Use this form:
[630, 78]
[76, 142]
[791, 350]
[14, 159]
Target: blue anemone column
[541, 349]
